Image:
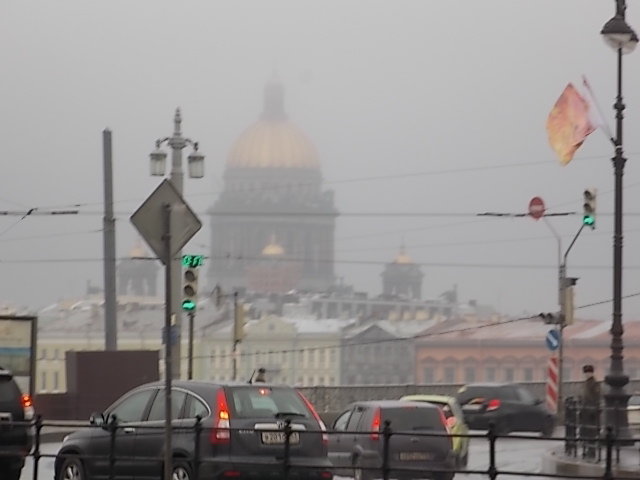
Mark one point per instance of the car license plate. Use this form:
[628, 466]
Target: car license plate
[278, 438]
[407, 456]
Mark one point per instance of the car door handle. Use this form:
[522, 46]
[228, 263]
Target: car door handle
[129, 430]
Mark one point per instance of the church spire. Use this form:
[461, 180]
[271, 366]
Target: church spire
[274, 100]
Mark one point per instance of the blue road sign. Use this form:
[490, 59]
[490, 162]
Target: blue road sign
[552, 339]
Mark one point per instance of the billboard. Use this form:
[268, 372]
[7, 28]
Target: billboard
[18, 347]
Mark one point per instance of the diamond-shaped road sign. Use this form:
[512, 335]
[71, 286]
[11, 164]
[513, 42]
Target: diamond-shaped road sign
[149, 220]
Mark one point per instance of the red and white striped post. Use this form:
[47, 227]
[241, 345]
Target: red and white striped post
[552, 384]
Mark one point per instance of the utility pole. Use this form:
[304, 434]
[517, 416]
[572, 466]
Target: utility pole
[238, 331]
[196, 170]
[109, 246]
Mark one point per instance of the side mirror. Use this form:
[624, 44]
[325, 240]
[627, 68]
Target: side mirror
[97, 419]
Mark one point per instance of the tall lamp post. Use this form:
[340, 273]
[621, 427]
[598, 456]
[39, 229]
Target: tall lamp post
[621, 37]
[196, 170]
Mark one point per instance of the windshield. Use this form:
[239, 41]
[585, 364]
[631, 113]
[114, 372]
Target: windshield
[413, 418]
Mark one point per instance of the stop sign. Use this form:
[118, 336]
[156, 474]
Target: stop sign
[536, 208]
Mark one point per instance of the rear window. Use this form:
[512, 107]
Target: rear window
[262, 401]
[485, 392]
[9, 391]
[413, 418]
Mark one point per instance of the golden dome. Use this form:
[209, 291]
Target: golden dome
[273, 249]
[402, 257]
[273, 141]
[138, 250]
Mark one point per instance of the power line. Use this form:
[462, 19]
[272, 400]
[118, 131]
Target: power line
[338, 261]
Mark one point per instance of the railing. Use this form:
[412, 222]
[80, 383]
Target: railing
[583, 429]
[195, 459]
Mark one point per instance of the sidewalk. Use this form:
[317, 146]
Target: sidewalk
[555, 461]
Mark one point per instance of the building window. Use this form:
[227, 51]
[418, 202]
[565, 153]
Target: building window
[55, 381]
[527, 374]
[508, 374]
[490, 374]
[449, 374]
[43, 381]
[427, 375]
[321, 357]
[469, 374]
[332, 381]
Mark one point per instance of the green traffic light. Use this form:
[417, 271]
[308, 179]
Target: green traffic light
[588, 220]
[188, 305]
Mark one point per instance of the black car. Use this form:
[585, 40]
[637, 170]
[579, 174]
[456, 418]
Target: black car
[242, 435]
[356, 444]
[16, 427]
[509, 406]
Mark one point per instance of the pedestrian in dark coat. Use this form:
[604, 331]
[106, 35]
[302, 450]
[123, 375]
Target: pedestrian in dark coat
[590, 414]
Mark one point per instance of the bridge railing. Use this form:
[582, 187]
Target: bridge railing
[290, 467]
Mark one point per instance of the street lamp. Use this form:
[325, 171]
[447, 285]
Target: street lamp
[196, 170]
[621, 37]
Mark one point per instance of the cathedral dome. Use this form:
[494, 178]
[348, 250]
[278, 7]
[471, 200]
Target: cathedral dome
[273, 249]
[402, 258]
[138, 250]
[273, 141]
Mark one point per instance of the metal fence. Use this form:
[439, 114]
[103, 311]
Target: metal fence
[288, 467]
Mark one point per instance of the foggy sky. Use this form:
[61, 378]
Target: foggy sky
[412, 102]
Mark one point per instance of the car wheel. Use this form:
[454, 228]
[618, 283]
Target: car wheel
[72, 469]
[547, 427]
[181, 471]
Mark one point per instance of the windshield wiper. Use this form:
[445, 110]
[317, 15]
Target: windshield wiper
[289, 414]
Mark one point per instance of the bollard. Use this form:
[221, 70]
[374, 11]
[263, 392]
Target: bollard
[491, 434]
[608, 473]
[287, 448]
[196, 447]
[36, 447]
[386, 438]
[113, 427]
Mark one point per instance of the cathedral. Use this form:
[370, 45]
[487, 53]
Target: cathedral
[273, 225]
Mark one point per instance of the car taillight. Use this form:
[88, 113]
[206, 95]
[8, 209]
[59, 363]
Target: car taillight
[375, 425]
[493, 404]
[325, 436]
[221, 433]
[451, 422]
[27, 406]
[445, 423]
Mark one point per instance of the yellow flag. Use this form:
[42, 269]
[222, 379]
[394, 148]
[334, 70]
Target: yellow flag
[569, 124]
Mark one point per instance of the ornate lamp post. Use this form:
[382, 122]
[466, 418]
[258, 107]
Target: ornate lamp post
[621, 37]
[196, 170]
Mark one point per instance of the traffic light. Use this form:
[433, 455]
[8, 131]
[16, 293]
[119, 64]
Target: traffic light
[190, 289]
[238, 322]
[550, 318]
[589, 208]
